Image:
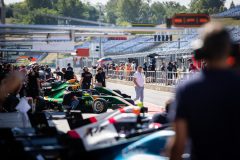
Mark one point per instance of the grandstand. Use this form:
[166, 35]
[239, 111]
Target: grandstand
[131, 45]
[235, 33]
[233, 12]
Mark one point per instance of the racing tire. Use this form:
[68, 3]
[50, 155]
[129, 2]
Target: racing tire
[100, 106]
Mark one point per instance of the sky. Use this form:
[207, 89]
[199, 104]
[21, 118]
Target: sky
[183, 2]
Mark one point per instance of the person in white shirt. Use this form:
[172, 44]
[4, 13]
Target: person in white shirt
[138, 80]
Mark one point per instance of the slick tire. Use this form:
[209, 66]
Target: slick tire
[99, 106]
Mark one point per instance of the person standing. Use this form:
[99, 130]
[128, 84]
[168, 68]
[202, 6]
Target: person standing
[145, 67]
[100, 77]
[69, 74]
[206, 108]
[86, 79]
[138, 80]
[33, 85]
[69, 68]
[57, 72]
[48, 72]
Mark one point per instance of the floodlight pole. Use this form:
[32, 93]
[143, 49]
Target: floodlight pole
[100, 40]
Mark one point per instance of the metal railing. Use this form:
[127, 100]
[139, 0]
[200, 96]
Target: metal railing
[163, 78]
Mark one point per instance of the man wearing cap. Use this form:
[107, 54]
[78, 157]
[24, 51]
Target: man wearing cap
[138, 80]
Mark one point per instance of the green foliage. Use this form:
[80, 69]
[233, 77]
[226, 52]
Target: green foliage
[34, 11]
[9, 12]
[122, 12]
[35, 4]
[111, 12]
[232, 5]
[173, 8]
[159, 11]
[206, 6]
[129, 10]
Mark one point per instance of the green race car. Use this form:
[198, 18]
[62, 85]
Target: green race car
[96, 100]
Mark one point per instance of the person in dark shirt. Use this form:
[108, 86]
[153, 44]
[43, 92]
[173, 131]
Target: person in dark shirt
[207, 108]
[62, 74]
[33, 85]
[145, 67]
[69, 68]
[86, 79]
[69, 74]
[100, 77]
[48, 72]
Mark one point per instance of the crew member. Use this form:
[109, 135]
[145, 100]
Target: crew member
[86, 80]
[100, 77]
[138, 80]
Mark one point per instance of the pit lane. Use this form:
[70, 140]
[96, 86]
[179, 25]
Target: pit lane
[154, 100]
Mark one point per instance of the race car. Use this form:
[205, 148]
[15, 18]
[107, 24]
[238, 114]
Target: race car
[52, 86]
[154, 146]
[106, 136]
[89, 100]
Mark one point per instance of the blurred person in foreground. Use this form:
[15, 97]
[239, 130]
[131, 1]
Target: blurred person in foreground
[208, 106]
[9, 87]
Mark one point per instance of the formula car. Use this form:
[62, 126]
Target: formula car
[109, 135]
[52, 86]
[154, 145]
[89, 100]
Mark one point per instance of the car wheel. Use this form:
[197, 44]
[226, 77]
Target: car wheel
[99, 106]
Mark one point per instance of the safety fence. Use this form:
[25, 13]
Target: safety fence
[164, 78]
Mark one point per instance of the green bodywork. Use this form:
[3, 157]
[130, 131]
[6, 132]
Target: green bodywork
[107, 91]
[113, 99]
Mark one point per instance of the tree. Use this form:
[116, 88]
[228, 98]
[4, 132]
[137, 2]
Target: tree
[222, 9]
[159, 12]
[210, 11]
[129, 10]
[173, 8]
[9, 12]
[91, 13]
[33, 4]
[37, 16]
[111, 11]
[206, 4]
[34, 11]
[232, 5]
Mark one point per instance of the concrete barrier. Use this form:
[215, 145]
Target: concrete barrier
[147, 85]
